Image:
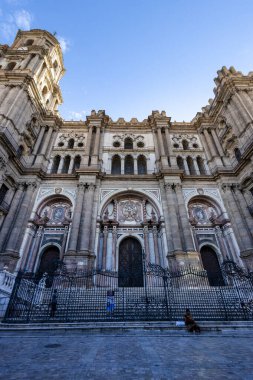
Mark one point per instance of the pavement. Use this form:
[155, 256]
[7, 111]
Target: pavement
[131, 354]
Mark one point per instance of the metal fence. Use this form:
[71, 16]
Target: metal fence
[97, 296]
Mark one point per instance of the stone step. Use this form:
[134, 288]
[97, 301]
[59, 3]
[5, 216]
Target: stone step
[114, 327]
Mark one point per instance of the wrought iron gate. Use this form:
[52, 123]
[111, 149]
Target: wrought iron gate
[97, 296]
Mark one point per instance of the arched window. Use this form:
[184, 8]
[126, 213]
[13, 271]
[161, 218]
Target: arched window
[55, 64]
[180, 163]
[128, 143]
[201, 165]
[129, 165]
[185, 144]
[29, 42]
[191, 166]
[10, 66]
[238, 154]
[56, 164]
[142, 165]
[66, 164]
[71, 143]
[44, 91]
[116, 165]
[20, 151]
[77, 163]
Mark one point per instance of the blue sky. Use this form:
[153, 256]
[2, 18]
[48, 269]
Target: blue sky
[130, 57]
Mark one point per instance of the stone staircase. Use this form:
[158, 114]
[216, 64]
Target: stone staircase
[132, 304]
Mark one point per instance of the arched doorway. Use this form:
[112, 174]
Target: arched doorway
[49, 263]
[212, 266]
[130, 263]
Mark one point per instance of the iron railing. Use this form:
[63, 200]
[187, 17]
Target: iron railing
[97, 296]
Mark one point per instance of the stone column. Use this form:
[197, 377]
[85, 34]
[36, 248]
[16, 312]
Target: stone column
[71, 165]
[51, 144]
[195, 164]
[238, 222]
[172, 157]
[86, 220]
[184, 220]
[60, 165]
[146, 243]
[9, 219]
[39, 139]
[46, 141]
[94, 159]
[87, 146]
[160, 139]
[186, 168]
[223, 248]
[114, 245]
[76, 219]
[151, 246]
[29, 264]
[157, 153]
[210, 143]
[105, 233]
[206, 167]
[14, 240]
[122, 165]
[217, 143]
[234, 118]
[156, 248]
[206, 147]
[135, 165]
[173, 219]
[248, 220]
[109, 251]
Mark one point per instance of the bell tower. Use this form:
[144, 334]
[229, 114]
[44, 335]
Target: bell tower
[30, 71]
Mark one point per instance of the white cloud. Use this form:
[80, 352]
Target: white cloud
[77, 115]
[23, 19]
[64, 43]
[11, 22]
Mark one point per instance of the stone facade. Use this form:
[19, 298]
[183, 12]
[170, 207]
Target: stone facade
[75, 190]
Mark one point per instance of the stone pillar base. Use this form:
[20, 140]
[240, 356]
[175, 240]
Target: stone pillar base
[180, 259]
[8, 261]
[79, 261]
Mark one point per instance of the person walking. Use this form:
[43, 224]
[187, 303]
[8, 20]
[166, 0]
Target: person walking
[53, 304]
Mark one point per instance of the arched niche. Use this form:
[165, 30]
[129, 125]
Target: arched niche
[54, 211]
[130, 208]
[203, 211]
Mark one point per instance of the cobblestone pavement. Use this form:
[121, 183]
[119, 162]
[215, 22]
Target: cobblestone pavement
[130, 355]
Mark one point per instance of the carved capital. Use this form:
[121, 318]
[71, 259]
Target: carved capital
[31, 185]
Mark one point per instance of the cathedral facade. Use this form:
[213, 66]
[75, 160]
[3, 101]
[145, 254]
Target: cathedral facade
[109, 195]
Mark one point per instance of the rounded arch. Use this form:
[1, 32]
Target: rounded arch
[71, 143]
[142, 164]
[207, 197]
[116, 164]
[48, 262]
[128, 143]
[130, 262]
[185, 144]
[129, 164]
[77, 163]
[202, 210]
[55, 208]
[66, 164]
[129, 192]
[56, 163]
[180, 162]
[211, 264]
[10, 66]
